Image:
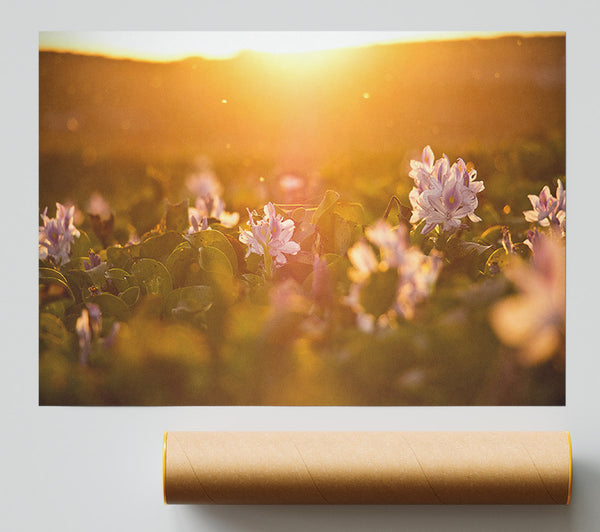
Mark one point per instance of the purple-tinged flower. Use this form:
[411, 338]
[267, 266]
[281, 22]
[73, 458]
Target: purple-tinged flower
[443, 194]
[533, 320]
[209, 203]
[293, 188]
[214, 207]
[422, 170]
[93, 260]
[364, 262]
[417, 274]
[197, 222]
[547, 209]
[271, 237]
[507, 243]
[57, 234]
[392, 242]
[543, 205]
[89, 329]
[84, 333]
[204, 183]
[95, 316]
[98, 206]
[110, 339]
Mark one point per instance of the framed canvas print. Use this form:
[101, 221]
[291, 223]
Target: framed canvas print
[302, 218]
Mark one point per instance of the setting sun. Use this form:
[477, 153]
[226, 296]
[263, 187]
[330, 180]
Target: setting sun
[171, 46]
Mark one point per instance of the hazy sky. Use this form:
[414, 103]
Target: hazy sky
[166, 46]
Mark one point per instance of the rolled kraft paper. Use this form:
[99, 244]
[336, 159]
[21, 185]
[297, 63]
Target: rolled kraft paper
[367, 467]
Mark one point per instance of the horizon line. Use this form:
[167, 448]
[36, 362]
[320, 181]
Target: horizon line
[171, 46]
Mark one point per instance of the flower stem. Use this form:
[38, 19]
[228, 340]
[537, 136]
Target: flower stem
[268, 263]
[441, 240]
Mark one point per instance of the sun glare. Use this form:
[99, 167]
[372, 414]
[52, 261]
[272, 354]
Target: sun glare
[175, 45]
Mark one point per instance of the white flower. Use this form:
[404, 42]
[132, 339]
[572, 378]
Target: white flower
[57, 234]
[419, 274]
[364, 260]
[443, 194]
[198, 222]
[548, 210]
[98, 206]
[392, 242]
[416, 274]
[533, 321]
[204, 183]
[214, 207]
[209, 203]
[88, 327]
[271, 236]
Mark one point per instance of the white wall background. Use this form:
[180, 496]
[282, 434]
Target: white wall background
[97, 469]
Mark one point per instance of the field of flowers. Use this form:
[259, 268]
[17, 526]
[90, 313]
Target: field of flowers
[450, 291]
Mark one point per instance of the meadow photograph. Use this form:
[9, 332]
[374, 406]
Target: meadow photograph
[302, 218]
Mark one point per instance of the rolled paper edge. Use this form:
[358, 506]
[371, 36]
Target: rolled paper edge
[570, 468]
[164, 467]
[567, 502]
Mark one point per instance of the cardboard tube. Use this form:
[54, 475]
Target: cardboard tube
[367, 467]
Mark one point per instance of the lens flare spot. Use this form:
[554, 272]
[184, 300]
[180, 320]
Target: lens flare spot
[72, 124]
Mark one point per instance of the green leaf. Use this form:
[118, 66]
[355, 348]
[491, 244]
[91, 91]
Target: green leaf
[161, 246]
[416, 237]
[153, 277]
[213, 260]
[457, 248]
[189, 300]
[49, 273]
[52, 288]
[217, 240]
[497, 262]
[179, 261]
[76, 263]
[53, 334]
[122, 257]
[97, 274]
[344, 234]
[298, 215]
[81, 245]
[80, 282]
[329, 200]
[131, 295]
[492, 235]
[58, 308]
[379, 292]
[120, 278]
[177, 218]
[351, 212]
[111, 306]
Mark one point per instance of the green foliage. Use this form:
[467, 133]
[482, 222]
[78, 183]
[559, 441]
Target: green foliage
[189, 319]
[152, 277]
[379, 293]
[81, 245]
[111, 306]
[218, 240]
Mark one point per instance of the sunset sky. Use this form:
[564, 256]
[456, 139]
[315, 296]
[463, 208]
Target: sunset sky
[174, 45]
